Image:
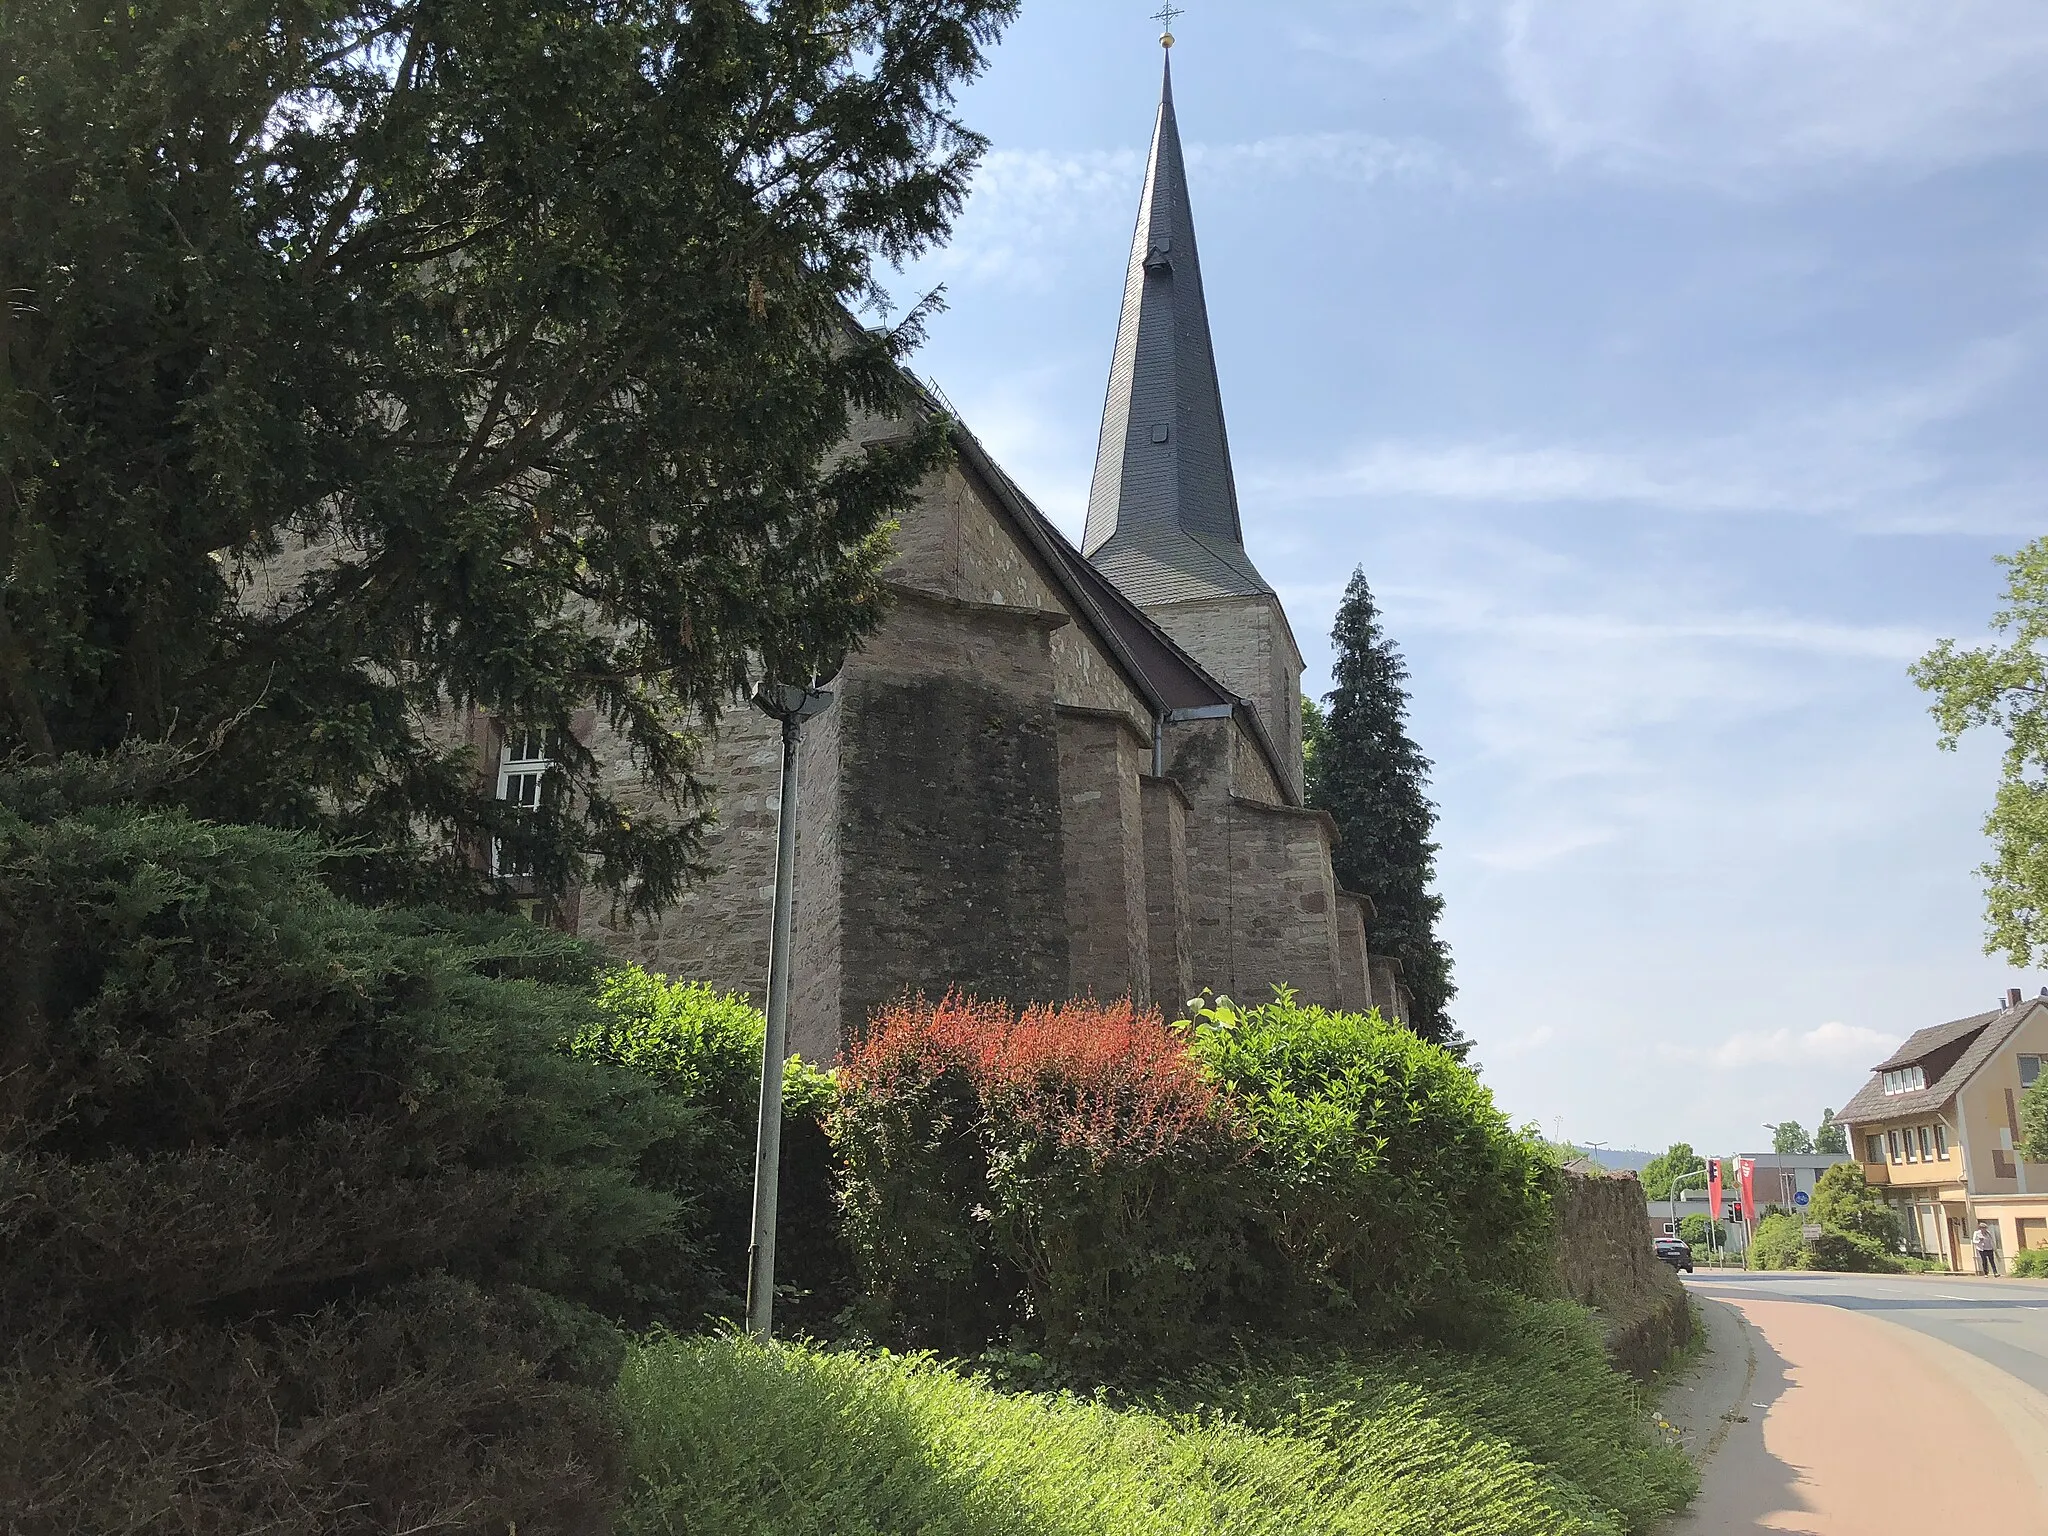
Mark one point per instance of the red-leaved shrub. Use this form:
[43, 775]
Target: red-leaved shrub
[1065, 1177]
[1108, 1080]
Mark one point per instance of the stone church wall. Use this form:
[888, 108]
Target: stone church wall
[719, 931]
[1168, 936]
[1354, 981]
[1103, 834]
[1284, 902]
[951, 854]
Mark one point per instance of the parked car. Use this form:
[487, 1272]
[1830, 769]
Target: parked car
[1676, 1252]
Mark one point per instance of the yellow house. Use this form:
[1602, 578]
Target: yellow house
[1937, 1128]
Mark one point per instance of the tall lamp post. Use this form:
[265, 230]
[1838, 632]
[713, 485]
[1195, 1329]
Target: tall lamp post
[792, 704]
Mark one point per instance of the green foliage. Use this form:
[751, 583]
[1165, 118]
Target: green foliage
[1085, 1185]
[534, 323]
[1830, 1137]
[299, 1200]
[1851, 1253]
[1780, 1243]
[1776, 1242]
[1789, 1136]
[1314, 726]
[1535, 1436]
[1058, 1180]
[2034, 1121]
[1678, 1161]
[1843, 1200]
[1699, 1230]
[2006, 686]
[1373, 780]
[1384, 1176]
[702, 1049]
[2029, 1264]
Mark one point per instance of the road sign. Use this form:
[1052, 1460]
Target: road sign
[1811, 1231]
[1801, 1198]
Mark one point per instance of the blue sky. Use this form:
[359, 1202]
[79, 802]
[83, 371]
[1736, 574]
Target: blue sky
[1674, 368]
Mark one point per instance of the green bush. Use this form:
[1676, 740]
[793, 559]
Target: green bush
[1844, 1200]
[1059, 1179]
[702, 1049]
[1383, 1175]
[1851, 1253]
[2030, 1264]
[1533, 1437]
[1780, 1243]
[1697, 1229]
[1088, 1183]
[1777, 1243]
[299, 1200]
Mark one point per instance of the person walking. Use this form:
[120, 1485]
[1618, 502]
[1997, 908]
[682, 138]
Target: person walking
[1986, 1244]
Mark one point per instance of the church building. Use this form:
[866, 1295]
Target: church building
[1053, 772]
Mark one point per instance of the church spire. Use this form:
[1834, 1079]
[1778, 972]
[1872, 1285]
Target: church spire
[1162, 512]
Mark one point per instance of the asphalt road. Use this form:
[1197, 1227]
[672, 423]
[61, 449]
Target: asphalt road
[2004, 1323]
[1850, 1405]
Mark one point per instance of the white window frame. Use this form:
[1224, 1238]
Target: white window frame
[524, 762]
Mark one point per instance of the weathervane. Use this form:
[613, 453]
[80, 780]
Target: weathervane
[1166, 16]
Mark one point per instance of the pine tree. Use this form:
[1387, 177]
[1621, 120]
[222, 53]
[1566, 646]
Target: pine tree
[1372, 779]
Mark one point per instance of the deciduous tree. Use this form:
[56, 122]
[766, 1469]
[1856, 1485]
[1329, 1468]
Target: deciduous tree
[530, 321]
[1674, 1162]
[1789, 1136]
[2006, 685]
[1829, 1137]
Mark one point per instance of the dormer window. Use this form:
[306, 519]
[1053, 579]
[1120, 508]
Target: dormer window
[1904, 1079]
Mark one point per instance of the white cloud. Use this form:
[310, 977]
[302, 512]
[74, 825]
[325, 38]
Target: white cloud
[1871, 457]
[1033, 211]
[1833, 1044]
[1738, 92]
[1356, 158]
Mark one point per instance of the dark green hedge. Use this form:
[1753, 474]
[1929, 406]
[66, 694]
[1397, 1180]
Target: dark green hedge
[303, 1205]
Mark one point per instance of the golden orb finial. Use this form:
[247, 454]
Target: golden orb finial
[1166, 15]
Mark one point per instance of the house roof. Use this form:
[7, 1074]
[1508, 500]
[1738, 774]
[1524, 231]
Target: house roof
[1162, 509]
[1980, 1036]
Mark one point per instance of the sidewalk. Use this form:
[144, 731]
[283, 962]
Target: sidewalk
[1795, 1419]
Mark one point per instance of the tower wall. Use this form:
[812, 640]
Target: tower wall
[1245, 644]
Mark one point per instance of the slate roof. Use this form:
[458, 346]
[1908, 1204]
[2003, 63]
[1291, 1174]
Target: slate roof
[1985, 1034]
[1162, 510]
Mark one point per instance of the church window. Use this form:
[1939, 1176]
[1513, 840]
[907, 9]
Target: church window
[523, 766]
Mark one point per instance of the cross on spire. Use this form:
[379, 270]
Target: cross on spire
[1166, 16]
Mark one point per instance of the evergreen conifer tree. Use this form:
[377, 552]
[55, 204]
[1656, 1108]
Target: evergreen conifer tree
[1365, 771]
[361, 360]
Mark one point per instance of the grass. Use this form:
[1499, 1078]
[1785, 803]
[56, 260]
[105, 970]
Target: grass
[1533, 1436]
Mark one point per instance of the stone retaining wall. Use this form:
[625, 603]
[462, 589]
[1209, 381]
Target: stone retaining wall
[1604, 1260]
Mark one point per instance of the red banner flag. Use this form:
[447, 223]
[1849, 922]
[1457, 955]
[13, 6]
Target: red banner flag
[1714, 1187]
[1745, 1170]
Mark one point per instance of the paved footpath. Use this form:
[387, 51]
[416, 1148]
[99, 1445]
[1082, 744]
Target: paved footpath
[1847, 1405]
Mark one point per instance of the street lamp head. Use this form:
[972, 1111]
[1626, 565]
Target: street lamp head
[791, 703]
